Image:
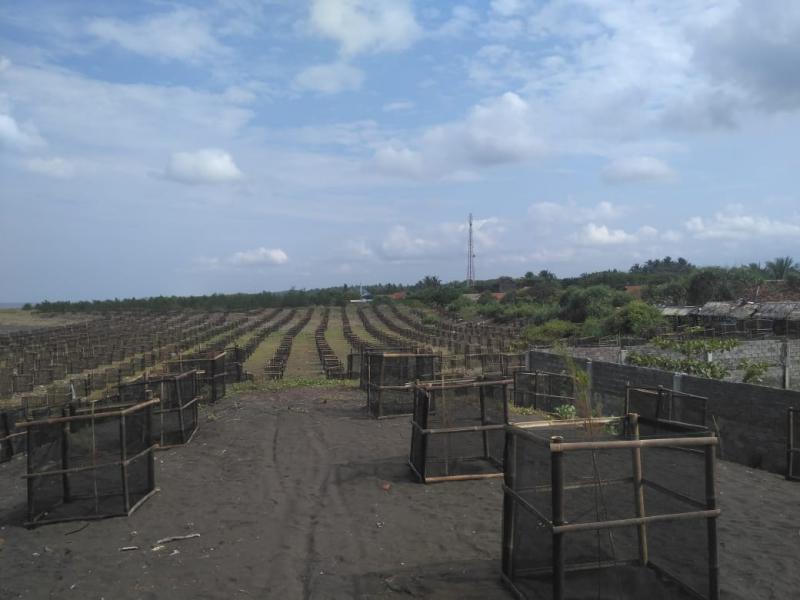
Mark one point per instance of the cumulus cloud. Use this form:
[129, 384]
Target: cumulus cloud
[52, 167]
[733, 224]
[400, 244]
[182, 35]
[209, 165]
[259, 257]
[330, 78]
[497, 131]
[366, 25]
[638, 169]
[601, 235]
[442, 240]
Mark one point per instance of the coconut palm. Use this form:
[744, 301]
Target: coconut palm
[780, 267]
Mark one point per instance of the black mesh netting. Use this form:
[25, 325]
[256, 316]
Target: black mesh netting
[97, 464]
[662, 411]
[12, 440]
[175, 417]
[598, 487]
[543, 391]
[388, 377]
[439, 445]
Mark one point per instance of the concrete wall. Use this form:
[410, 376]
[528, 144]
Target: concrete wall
[750, 419]
[783, 356]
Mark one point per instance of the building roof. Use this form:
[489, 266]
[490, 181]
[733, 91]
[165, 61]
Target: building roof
[733, 310]
[778, 311]
[679, 311]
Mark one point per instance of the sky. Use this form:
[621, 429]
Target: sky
[188, 148]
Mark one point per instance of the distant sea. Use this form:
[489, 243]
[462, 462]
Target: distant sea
[11, 304]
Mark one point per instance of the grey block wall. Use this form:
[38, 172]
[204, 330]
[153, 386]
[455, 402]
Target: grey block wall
[750, 419]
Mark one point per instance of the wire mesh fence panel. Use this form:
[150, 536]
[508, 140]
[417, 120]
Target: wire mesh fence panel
[793, 445]
[457, 430]
[662, 410]
[89, 465]
[388, 378]
[175, 417]
[543, 391]
[591, 509]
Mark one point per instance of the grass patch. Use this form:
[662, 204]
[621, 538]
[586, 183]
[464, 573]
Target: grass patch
[291, 382]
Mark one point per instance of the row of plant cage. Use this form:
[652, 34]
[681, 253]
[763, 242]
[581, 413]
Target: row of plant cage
[91, 460]
[331, 365]
[276, 366]
[618, 507]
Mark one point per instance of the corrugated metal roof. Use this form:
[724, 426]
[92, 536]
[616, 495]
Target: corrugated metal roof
[716, 309]
[777, 310]
[679, 311]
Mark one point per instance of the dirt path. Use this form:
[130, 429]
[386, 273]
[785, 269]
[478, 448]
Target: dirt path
[297, 494]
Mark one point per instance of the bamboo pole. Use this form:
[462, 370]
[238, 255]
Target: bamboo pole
[557, 507]
[638, 490]
[711, 525]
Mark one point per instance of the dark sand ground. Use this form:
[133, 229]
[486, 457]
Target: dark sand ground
[297, 494]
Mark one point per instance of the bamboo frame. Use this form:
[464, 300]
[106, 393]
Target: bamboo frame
[666, 421]
[65, 425]
[558, 450]
[792, 448]
[537, 393]
[421, 433]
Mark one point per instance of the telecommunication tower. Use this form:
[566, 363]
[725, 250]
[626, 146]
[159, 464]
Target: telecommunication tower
[470, 256]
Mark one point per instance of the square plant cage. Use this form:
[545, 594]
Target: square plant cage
[793, 445]
[663, 410]
[175, 417]
[391, 377]
[90, 465]
[543, 391]
[594, 509]
[457, 430]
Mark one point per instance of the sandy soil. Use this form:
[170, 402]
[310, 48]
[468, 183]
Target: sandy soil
[297, 494]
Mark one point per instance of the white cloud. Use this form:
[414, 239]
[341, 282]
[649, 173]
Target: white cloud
[497, 131]
[259, 257]
[461, 21]
[400, 244]
[5, 63]
[366, 25]
[569, 212]
[400, 105]
[52, 167]
[733, 224]
[209, 165]
[601, 235]
[330, 78]
[507, 8]
[15, 136]
[638, 169]
[182, 35]
[122, 118]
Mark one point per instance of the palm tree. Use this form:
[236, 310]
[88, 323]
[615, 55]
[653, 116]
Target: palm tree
[780, 267]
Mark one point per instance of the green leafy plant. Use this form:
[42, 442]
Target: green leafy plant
[754, 371]
[565, 412]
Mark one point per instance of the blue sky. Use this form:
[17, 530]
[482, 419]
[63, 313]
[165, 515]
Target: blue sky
[186, 148]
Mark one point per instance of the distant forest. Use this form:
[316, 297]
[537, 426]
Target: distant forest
[539, 297]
